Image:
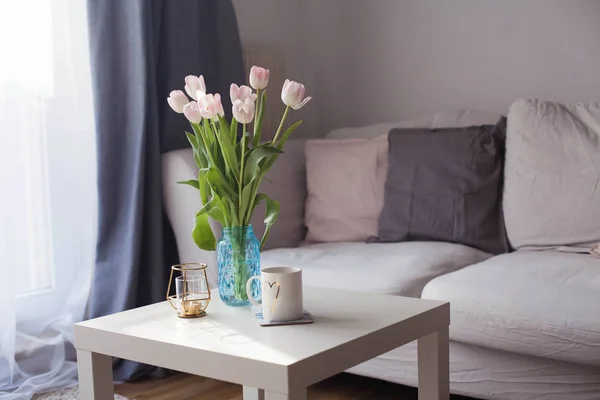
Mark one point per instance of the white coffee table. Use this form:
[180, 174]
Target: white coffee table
[272, 363]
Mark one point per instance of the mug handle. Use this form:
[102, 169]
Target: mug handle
[249, 291]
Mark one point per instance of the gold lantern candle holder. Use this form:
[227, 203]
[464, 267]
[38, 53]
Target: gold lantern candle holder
[192, 291]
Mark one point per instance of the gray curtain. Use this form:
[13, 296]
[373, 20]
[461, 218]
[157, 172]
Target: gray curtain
[140, 51]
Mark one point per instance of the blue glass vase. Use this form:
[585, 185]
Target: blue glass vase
[238, 259]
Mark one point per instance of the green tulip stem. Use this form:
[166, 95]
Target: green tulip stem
[210, 157]
[285, 113]
[240, 264]
[256, 113]
[241, 184]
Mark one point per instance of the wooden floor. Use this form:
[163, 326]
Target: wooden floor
[339, 387]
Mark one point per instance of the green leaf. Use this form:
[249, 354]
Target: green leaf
[252, 169]
[203, 185]
[233, 129]
[224, 126]
[231, 211]
[246, 193]
[259, 198]
[202, 233]
[286, 134]
[200, 157]
[238, 150]
[198, 132]
[219, 160]
[223, 210]
[228, 153]
[216, 214]
[192, 139]
[268, 163]
[191, 182]
[206, 207]
[208, 133]
[259, 120]
[204, 156]
[271, 214]
[238, 147]
[219, 184]
[213, 209]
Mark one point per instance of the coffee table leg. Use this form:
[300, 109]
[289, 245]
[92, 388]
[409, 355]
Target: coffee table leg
[251, 393]
[434, 366]
[295, 395]
[95, 376]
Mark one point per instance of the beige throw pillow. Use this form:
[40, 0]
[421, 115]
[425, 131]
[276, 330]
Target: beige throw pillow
[345, 181]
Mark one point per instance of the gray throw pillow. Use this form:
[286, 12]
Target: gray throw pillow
[446, 185]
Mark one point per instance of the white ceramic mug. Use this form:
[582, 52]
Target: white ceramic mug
[281, 293]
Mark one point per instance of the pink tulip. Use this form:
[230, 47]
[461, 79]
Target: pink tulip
[239, 92]
[192, 112]
[220, 110]
[177, 100]
[292, 94]
[259, 77]
[194, 84]
[243, 111]
[210, 105]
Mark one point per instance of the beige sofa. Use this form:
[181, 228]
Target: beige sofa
[525, 325]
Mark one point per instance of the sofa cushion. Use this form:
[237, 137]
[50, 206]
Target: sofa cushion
[544, 304]
[384, 268]
[344, 202]
[445, 185]
[552, 175]
[345, 180]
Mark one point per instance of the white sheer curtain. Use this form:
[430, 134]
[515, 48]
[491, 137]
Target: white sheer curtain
[47, 191]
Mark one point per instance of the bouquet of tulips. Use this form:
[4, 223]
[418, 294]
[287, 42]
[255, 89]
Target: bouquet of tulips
[232, 163]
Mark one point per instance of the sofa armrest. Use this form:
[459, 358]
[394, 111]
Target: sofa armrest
[288, 185]
[182, 202]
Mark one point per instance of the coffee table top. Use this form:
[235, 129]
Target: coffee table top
[348, 328]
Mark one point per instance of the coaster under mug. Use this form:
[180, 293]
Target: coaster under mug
[306, 318]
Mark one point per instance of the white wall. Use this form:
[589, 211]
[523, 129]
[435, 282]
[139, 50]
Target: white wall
[308, 32]
[387, 60]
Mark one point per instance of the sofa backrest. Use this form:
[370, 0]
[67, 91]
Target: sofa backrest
[552, 175]
[446, 119]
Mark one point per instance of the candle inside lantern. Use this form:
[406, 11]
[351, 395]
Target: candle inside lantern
[192, 307]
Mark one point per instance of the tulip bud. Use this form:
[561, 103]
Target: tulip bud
[177, 100]
[192, 112]
[194, 84]
[239, 92]
[259, 77]
[292, 94]
[210, 105]
[243, 111]
[220, 109]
